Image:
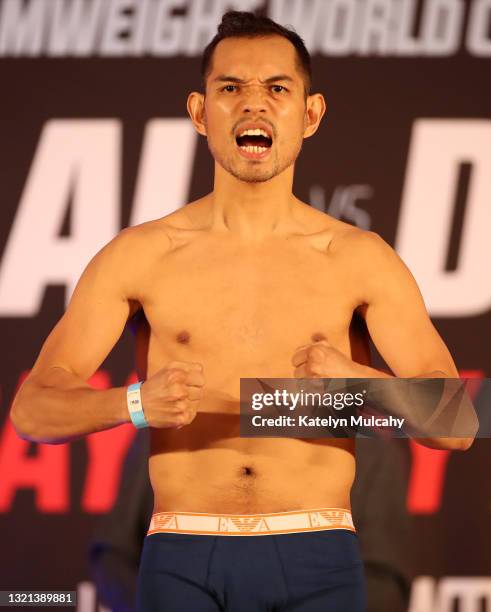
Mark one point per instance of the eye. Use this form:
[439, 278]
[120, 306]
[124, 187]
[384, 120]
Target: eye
[281, 88]
[227, 87]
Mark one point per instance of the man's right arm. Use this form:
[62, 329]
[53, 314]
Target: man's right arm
[55, 403]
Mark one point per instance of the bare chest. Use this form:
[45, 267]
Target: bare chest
[247, 309]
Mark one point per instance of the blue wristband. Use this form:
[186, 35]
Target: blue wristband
[135, 408]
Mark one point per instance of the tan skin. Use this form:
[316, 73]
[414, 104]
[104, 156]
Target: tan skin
[247, 281]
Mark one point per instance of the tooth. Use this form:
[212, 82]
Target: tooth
[254, 132]
[253, 149]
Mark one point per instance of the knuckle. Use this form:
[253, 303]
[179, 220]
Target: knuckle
[177, 391]
[191, 416]
[181, 405]
[174, 374]
[184, 419]
[312, 368]
[180, 421]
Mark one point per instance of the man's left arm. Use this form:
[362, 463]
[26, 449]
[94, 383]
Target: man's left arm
[400, 327]
[399, 324]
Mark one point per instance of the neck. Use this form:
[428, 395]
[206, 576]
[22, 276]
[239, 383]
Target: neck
[252, 211]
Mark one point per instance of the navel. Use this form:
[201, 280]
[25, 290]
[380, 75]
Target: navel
[183, 337]
[248, 471]
[318, 337]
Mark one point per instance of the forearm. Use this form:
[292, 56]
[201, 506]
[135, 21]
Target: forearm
[60, 407]
[453, 413]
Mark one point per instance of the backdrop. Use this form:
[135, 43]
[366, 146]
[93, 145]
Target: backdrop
[95, 136]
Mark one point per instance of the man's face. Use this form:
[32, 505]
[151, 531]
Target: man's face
[255, 83]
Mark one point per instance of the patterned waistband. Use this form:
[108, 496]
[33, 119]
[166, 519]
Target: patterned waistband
[251, 524]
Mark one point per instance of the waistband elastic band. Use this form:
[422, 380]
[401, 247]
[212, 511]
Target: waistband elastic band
[251, 524]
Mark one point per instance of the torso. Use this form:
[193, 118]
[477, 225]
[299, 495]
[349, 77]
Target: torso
[242, 311]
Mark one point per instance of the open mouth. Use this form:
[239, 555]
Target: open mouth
[254, 141]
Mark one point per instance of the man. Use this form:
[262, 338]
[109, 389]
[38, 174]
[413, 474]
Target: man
[247, 281]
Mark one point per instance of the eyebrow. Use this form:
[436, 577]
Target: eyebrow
[232, 79]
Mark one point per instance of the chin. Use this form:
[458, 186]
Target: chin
[251, 174]
[257, 174]
[253, 177]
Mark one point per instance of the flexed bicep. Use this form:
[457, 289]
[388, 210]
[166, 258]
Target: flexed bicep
[95, 316]
[396, 315]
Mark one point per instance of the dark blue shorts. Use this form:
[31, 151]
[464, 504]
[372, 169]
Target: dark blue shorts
[315, 571]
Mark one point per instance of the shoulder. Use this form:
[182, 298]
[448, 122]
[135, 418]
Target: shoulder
[154, 238]
[122, 264]
[136, 246]
[364, 249]
[375, 263]
[382, 274]
[367, 248]
[329, 234]
[350, 239]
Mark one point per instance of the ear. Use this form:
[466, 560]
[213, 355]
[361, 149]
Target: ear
[314, 111]
[196, 109]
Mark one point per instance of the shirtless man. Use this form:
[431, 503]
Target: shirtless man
[247, 281]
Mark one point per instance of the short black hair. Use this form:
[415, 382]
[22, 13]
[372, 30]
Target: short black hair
[242, 24]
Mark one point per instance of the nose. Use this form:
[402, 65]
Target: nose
[254, 100]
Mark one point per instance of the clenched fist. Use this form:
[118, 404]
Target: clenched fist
[171, 396]
[321, 360]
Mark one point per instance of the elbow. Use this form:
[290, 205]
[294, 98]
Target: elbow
[457, 444]
[465, 443]
[23, 418]
[30, 431]
[449, 444]
[22, 422]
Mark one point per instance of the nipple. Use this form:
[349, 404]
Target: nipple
[183, 337]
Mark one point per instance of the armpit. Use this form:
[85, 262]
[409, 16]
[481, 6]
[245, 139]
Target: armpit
[359, 338]
[136, 318]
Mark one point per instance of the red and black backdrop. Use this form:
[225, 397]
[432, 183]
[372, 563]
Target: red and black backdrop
[94, 136]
